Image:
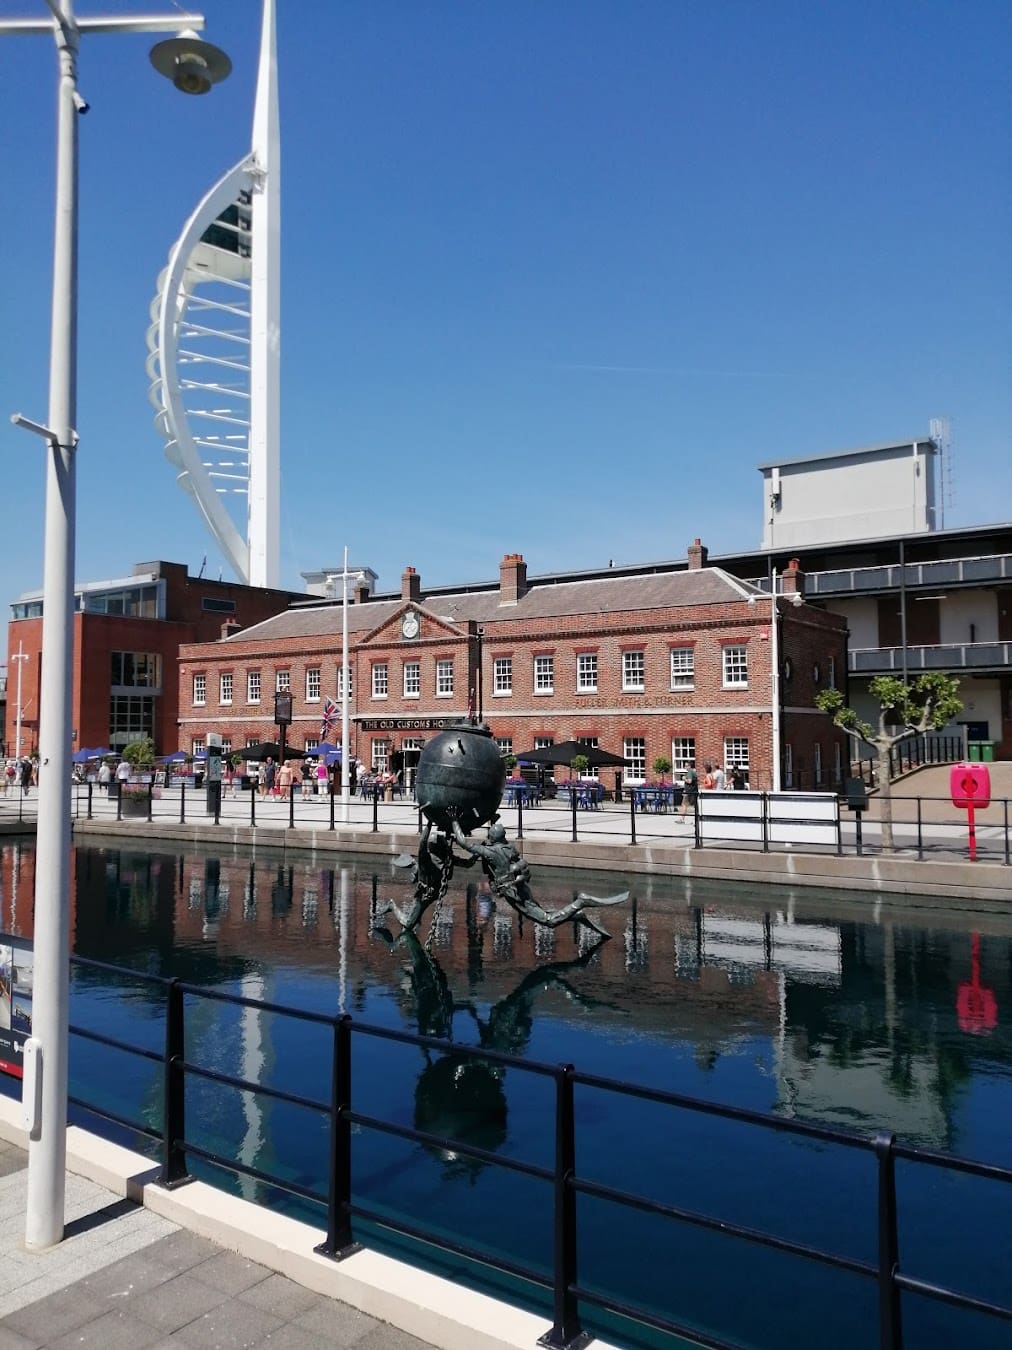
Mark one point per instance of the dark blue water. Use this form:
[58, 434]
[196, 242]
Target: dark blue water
[824, 1009]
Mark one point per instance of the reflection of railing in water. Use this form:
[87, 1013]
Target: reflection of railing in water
[562, 1180]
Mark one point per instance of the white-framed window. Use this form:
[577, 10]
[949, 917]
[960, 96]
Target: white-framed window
[502, 675]
[634, 749]
[412, 679]
[226, 746]
[311, 743]
[253, 688]
[199, 689]
[817, 763]
[634, 672]
[197, 747]
[543, 742]
[313, 684]
[683, 667]
[380, 680]
[736, 753]
[586, 673]
[505, 744]
[735, 666]
[591, 743]
[379, 755]
[683, 754]
[544, 674]
[831, 672]
[225, 687]
[282, 681]
[340, 681]
[444, 678]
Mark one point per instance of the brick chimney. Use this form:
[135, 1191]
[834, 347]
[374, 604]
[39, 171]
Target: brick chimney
[697, 555]
[512, 579]
[792, 582]
[229, 628]
[361, 593]
[411, 585]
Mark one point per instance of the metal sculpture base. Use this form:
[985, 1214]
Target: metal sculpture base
[508, 876]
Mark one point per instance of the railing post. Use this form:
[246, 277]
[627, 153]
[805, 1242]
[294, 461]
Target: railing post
[291, 808]
[839, 830]
[253, 790]
[1008, 861]
[920, 837]
[90, 786]
[119, 801]
[890, 1327]
[766, 821]
[174, 1171]
[182, 802]
[151, 797]
[572, 804]
[698, 841]
[632, 815]
[332, 800]
[375, 809]
[566, 1333]
[339, 1242]
[520, 815]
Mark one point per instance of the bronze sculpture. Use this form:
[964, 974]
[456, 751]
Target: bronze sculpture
[460, 779]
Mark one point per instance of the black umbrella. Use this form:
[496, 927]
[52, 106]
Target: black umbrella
[270, 750]
[567, 751]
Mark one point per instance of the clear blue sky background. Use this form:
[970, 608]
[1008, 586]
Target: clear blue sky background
[558, 274]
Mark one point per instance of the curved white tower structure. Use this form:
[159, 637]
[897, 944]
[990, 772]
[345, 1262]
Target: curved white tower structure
[214, 346]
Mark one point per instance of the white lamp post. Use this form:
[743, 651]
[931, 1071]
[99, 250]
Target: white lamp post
[795, 599]
[345, 576]
[193, 66]
[20, 656]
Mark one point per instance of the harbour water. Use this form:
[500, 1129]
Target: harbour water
[832, 1009]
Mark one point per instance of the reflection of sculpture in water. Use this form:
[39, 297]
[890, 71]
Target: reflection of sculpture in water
[508, 877]
[459, 1095]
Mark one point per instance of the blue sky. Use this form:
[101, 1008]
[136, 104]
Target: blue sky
[557, 274]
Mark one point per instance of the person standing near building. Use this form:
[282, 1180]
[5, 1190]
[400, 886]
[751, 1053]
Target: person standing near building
[719, 781]
[105, 775]
[268, 776]
[690, 789]
[123, 772]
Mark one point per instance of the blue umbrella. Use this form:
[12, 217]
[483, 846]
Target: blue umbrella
[177, 757]
[80, 757]
[324, 748]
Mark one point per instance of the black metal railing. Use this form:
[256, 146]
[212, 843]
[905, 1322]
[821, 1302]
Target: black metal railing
[563, 1182]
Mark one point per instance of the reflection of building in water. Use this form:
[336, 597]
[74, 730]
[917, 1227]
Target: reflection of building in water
[856, 1021]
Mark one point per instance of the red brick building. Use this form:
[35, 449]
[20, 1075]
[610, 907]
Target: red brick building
[127, 634]
[672, 663]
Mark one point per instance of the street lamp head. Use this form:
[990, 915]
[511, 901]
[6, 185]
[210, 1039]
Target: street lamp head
[192, 64]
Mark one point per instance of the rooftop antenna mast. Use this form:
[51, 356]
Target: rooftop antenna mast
[940, 431]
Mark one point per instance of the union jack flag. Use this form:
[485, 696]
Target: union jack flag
[330, 716]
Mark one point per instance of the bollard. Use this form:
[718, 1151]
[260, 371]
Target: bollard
[375, 810]
[632, 814]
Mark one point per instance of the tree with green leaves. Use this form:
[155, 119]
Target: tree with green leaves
[140, 754]
[927, 703]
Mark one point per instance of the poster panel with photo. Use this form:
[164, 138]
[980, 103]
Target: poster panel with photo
[16, 977]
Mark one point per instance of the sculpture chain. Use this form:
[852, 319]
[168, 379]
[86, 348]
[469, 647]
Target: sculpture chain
[444, 886]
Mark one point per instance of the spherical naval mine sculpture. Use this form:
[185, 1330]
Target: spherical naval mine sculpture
[460, 776]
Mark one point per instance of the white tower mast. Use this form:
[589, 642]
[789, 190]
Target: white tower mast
[265, 321]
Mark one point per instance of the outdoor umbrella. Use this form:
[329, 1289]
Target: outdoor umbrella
[81, 757]
[177, 757]
[566, 752]
[324, 748]
[269, 750]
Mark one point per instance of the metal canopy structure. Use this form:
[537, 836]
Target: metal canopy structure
[214, 351]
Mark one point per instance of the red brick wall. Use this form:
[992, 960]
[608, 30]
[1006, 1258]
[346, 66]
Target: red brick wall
[708, 712]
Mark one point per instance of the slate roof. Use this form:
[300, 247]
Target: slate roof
[543, 600]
